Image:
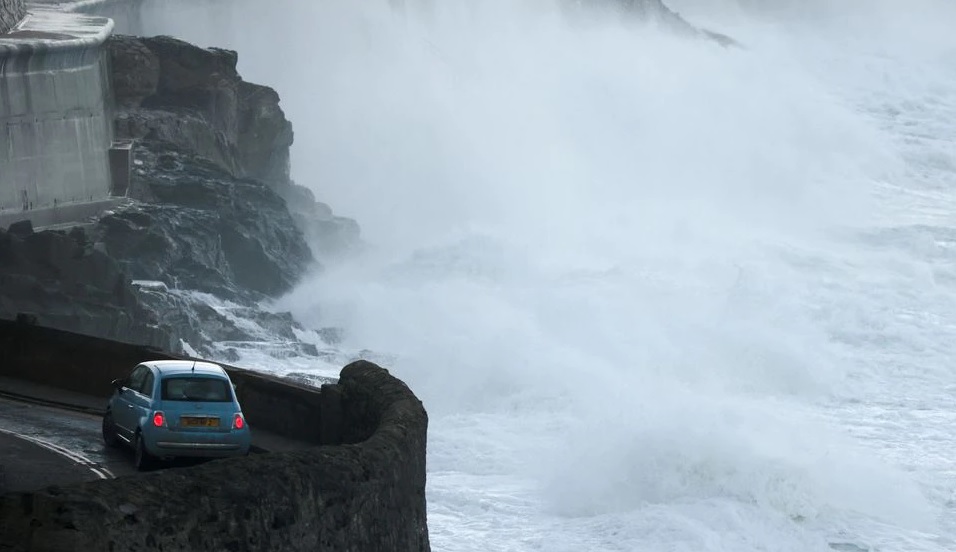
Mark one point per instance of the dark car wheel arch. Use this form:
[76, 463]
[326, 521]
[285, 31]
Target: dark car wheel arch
[110, 437]
[142, 459]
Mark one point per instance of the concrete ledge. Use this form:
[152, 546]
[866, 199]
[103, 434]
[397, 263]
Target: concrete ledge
[364, 491]
[62, 214]
[80, 5]
[47, 30]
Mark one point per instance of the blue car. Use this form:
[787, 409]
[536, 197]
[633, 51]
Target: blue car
[176, 408]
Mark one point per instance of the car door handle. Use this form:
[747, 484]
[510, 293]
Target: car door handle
[129, 406]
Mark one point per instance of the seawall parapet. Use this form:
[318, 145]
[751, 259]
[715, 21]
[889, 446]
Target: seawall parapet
[55, 123]
[363, 490]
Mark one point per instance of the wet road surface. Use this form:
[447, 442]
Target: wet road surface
[41, 445]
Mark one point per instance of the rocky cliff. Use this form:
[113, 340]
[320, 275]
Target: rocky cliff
[170, 91]
[11, 12]
[208, 218]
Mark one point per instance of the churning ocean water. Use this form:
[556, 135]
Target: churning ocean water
[656, 294]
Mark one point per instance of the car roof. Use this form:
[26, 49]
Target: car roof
[171, 367]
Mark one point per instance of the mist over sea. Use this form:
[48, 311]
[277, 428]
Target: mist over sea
[656, 294]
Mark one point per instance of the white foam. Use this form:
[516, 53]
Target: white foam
[623, 271]
[655, 294]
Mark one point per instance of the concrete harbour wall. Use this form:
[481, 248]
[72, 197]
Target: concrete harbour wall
[55, 121]
[363, 489]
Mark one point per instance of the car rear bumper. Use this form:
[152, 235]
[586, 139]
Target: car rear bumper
[200, 450]
[202, 446]
[165, 442]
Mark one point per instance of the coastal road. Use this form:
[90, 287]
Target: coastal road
[42, 445]
[49, 436]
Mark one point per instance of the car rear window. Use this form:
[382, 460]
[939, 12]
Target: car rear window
[196, 389]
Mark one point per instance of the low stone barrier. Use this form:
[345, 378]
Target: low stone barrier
[362, 489]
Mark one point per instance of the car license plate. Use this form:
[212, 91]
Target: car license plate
[190, 421]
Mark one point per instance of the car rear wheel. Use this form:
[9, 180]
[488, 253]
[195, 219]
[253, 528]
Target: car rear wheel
[109, 431]
[142, 460]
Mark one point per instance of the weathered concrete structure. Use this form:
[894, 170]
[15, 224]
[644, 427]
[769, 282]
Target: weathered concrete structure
[362, 489]
[55, 125]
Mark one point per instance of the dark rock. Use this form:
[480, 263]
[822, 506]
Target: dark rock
[78, 235]
[330, 236]
[276, 323]
[216, 333]
[73, 288]
[26, 319]
[135, 70]
[185, 128]
[264, 133]
[308, 349]
[331, 336]
[208, 231]
[308, 378]
[21, 228]
[200, 104]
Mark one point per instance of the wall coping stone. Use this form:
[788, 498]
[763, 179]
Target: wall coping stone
[48, 30]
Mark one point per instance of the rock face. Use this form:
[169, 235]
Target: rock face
[201, 229]
[170, 91]
[197, 229]
[331, 236]
[207, 235]
[62, 281]
[212, 158]
[11, 12]
[193, 97]
[217, 212]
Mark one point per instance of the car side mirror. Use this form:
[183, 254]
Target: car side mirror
[118, 383]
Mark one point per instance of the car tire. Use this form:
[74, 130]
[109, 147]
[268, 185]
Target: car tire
[142, 459]
[109, 431]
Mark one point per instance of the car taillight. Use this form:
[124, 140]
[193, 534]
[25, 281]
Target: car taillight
[159, 420]
[238, 422]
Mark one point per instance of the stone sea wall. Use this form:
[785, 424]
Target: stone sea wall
[362, 490]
